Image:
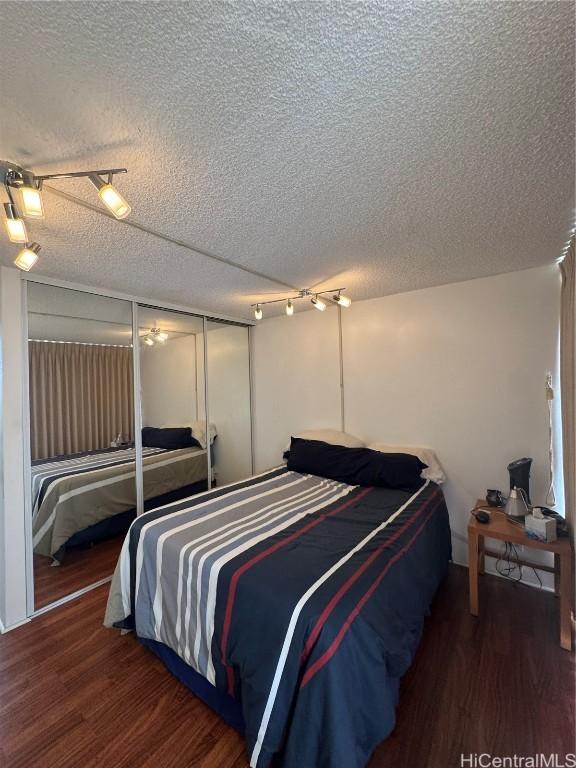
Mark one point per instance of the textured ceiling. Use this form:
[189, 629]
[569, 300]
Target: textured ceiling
[381, 146]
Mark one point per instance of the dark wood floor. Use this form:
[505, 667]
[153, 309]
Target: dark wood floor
[75, 694]
[80, 568]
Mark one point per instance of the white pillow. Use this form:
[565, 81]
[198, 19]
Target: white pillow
[332, 436]
[434, 470]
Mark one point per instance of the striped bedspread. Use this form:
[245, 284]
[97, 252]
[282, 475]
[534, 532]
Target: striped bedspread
[44, 473]
[302, 597]
[73, 493]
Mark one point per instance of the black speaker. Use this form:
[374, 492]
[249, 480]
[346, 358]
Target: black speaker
[520, 476]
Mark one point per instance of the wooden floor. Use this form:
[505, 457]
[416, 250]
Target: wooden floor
[80, 568]
[75, 694]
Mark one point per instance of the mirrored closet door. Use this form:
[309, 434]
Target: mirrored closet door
[82, 474]
[228, 359]
[175, 437]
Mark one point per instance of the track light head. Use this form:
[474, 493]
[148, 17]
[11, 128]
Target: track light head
[258, 312]
[342, 300]
[318, 303]
[110, 196]
[289, 308]
[27, 257]
[31, 200]
[14, 225]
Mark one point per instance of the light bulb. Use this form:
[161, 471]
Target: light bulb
[289, 308]
[344, 301]
[161, 336]
[148, 341]
[258, 312]
[111, 198]
[32, 202]
[27, 257]
[319, 304]
[14, 226]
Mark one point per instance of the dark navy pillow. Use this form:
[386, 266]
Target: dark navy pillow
[170, 438]
[356, 466]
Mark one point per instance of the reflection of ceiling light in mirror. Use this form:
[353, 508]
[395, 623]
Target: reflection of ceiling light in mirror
[155, 335]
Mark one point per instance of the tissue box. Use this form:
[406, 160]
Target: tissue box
[543, 529]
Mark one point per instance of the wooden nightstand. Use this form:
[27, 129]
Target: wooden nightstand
[501, 528]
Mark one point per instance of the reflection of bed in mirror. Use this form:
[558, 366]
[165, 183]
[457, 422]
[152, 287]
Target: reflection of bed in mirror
[89, 497]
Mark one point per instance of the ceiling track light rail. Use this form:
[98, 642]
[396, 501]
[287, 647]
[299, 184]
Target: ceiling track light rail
[332, 295]
[28, 202]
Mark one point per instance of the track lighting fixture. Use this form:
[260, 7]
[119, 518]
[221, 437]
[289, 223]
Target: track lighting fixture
[27, 257]
[14, 225]
[334, 295]
[28, 202]
[342, 300]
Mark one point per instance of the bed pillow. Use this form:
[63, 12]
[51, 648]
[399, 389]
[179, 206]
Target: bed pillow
[169, 438]
[332, 436]
[355, 466]
[199, 431]
[433, 470]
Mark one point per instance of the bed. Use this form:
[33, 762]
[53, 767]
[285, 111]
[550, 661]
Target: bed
[290, 603]
[84, 498]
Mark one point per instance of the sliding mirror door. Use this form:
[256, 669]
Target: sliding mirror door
[82, 473]
[228, 359]
[174, 442]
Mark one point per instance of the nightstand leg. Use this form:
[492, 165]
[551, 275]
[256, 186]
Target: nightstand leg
[565, 591]
[473, 571]
[556, 574]
[480, 554]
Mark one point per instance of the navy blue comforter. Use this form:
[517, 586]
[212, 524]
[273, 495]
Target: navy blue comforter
[301, 597]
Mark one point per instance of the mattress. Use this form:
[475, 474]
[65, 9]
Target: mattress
[300, 598]
[72, 494]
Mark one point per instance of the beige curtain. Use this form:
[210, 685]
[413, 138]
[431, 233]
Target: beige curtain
[81, 397]
[568, 382]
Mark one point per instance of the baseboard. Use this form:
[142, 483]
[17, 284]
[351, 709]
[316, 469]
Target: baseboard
[4, 629]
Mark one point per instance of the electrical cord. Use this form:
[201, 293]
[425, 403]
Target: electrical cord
[509, 563]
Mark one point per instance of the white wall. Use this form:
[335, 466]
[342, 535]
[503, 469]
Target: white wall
[229, 401]
[296, 380]
[460, 368]
[168, 382]
[12, 524]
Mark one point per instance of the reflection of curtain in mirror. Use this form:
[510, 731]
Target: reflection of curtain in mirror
[81, 397]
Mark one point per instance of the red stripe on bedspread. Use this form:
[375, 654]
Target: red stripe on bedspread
[256, 559]
[331, 650]
[356, 575]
